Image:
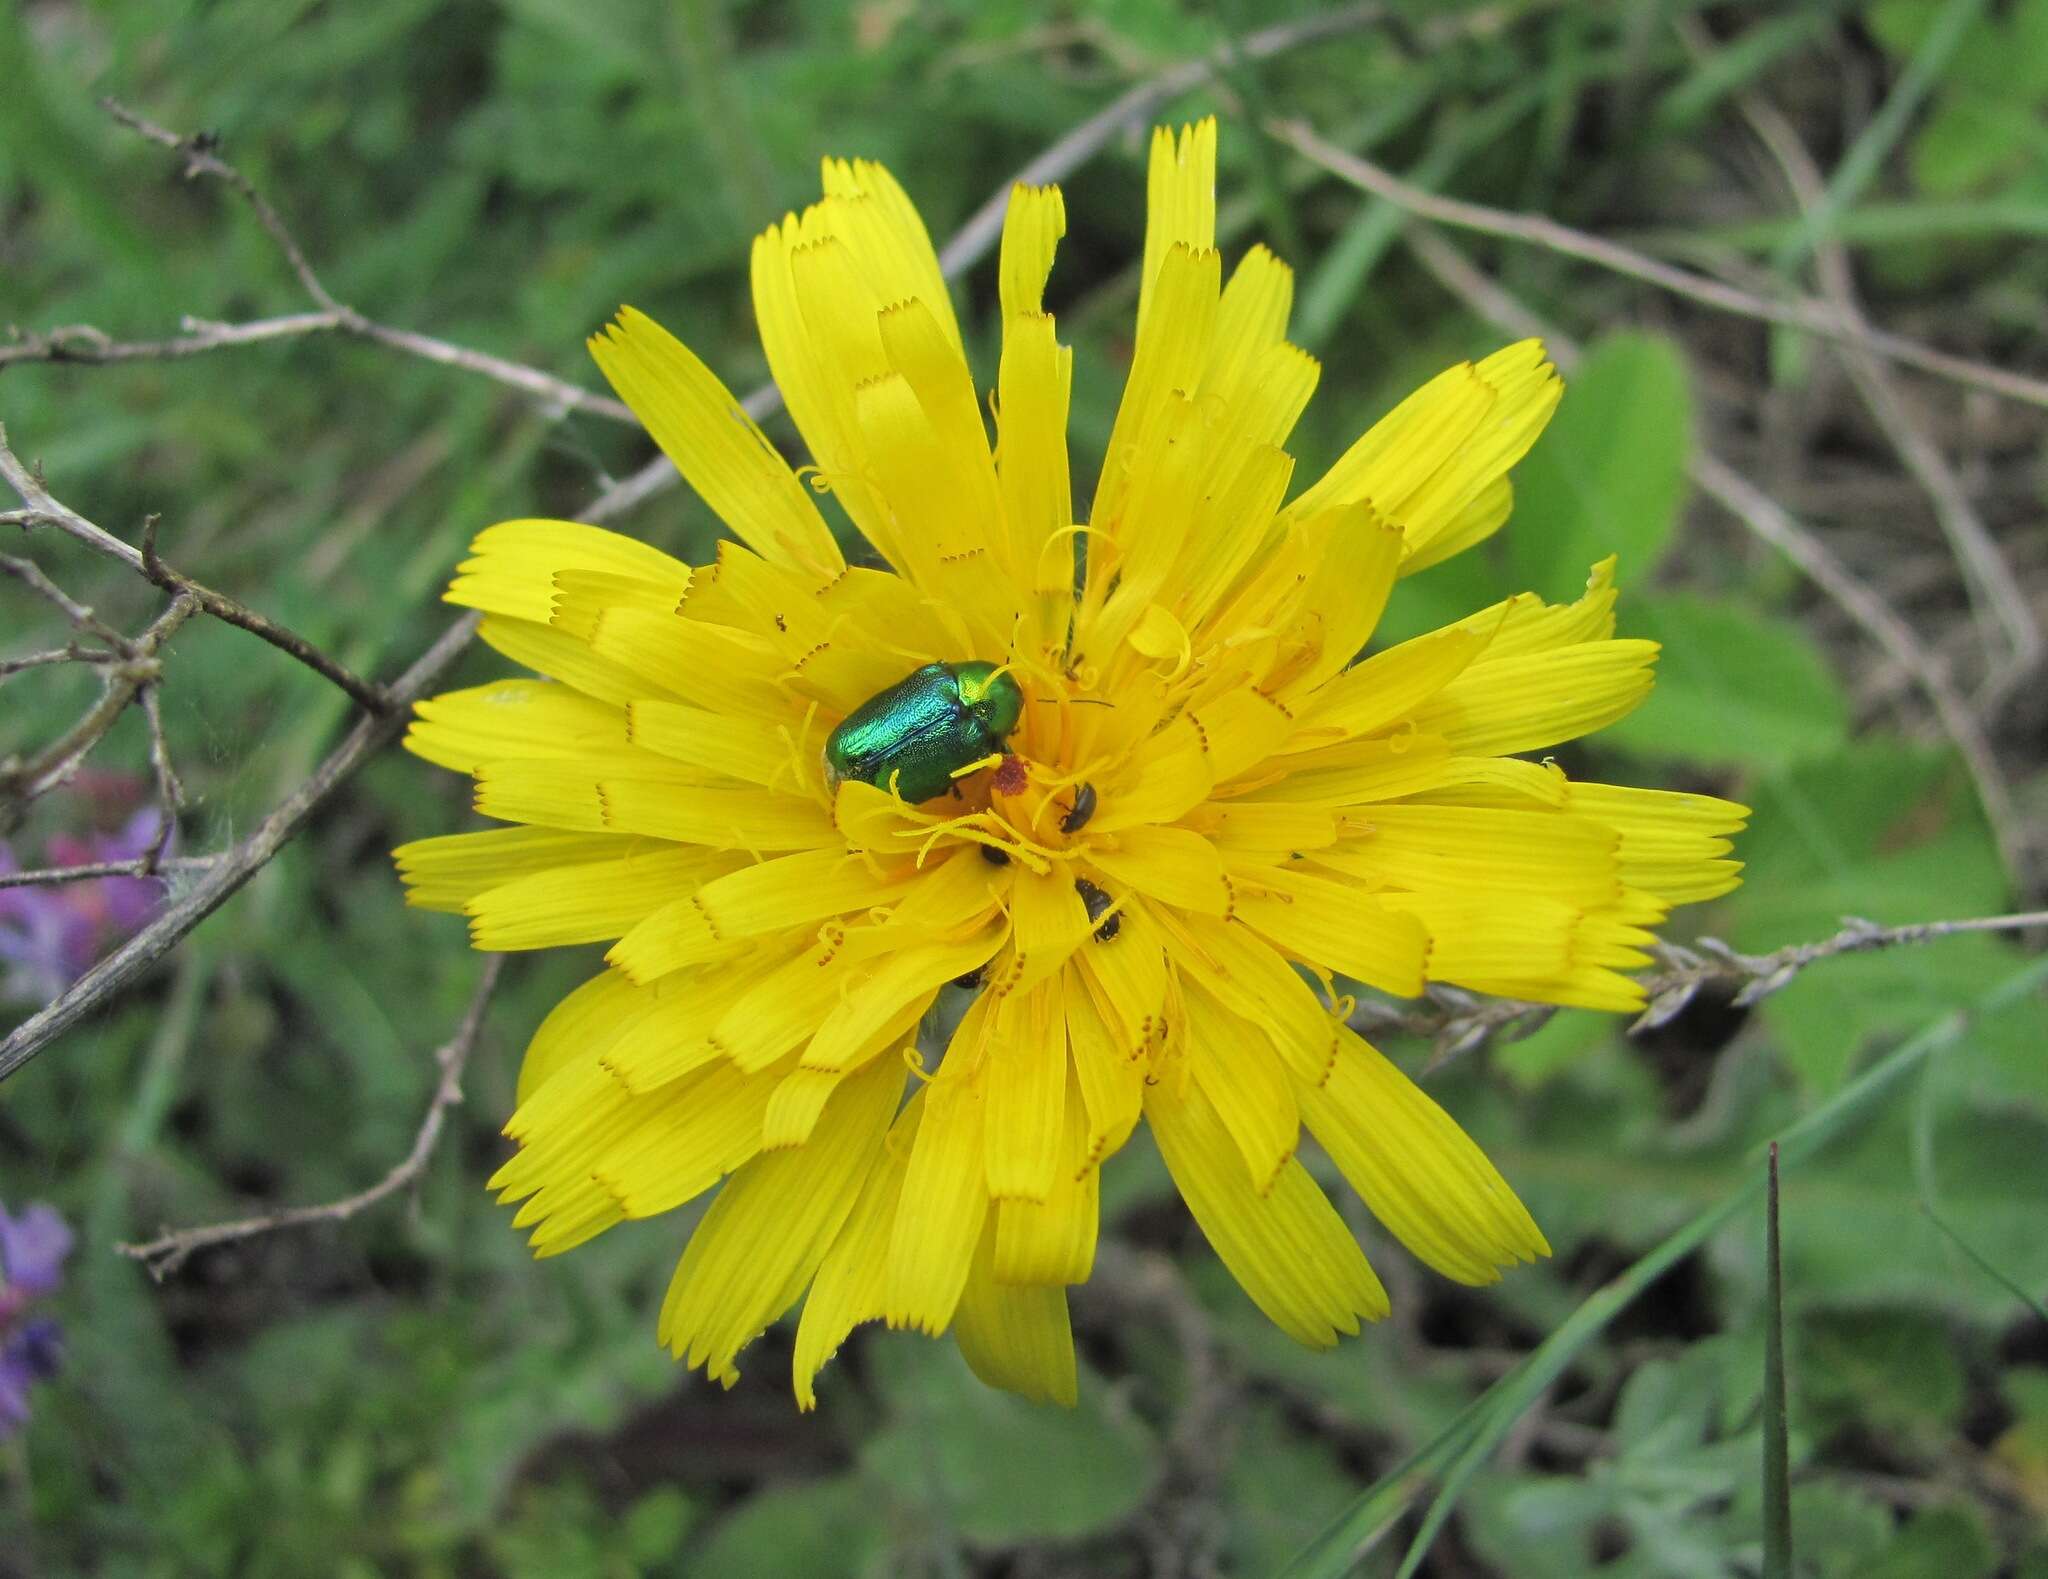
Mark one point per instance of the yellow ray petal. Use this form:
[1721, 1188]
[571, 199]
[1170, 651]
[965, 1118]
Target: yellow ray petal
[1249, 978]
[1288, 1248]
[1527, 390]
[1026, 1080]
[717, 447]
[1180, 201]
[888, 239]
[445, 873]
[591, 902]
[1015, 1337]
[729, 909]
[1484, 848]
[1173, 865]
[644, 798]
[685, 1137]
[848, 1288]
[757, 750]
[1166, 362]
[512, 718]
[1535, 700]
[709, 665]
[1048, 922]
[1236, 1067]
[768, 1230]
[945, 1195]
[1129, 979]
[512, 566]
[1053, 1240]
[566, 658]
[786, 1005]
[1338, 926]
[1341, 602]
[581, 1026]
[1109, 1078]
[1417, 1170]
[1361, 772]
[905, 978]
[1387, 687]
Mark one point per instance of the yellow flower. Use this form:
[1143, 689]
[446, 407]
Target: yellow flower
[1266, 809]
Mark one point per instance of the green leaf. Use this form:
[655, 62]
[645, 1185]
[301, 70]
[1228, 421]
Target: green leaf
[1733, 687]
[1895, 1369]
[824, 1529]
[1283, 1486]
[1950, 1542]
[1609, 476]
[1058, 1474]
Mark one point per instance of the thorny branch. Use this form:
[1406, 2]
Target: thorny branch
[165, 1254]
[1456, 1022]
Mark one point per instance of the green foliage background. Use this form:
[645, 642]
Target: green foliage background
[411, 1394]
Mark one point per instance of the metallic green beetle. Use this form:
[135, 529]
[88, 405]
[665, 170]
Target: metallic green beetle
[926, 727]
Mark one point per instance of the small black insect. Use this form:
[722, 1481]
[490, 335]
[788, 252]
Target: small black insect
[993, 856]
[1083, 808]
[972, 979]
[1096, 902]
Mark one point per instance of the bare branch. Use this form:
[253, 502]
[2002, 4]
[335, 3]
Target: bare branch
[22, 782]
[44, 509]
[201, 158]
[1987, 575]
[1816, 317]
[83, 344]
[166, 1254]
[231, 868]
[1769, 521]
[81, 617]
[365, 695]
[140, 866]
[69, 653]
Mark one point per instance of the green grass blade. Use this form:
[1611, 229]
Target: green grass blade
[1471, 1438]
[1777, 1458]
[1984, 1264]
[1871, 148]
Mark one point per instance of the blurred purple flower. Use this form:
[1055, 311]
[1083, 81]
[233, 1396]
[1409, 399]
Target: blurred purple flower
[50, 936]
[32, 1251]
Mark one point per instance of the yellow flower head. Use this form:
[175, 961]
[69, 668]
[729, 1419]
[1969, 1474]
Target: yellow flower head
[1209, 808]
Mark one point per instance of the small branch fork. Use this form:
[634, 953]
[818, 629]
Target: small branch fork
[165, 1254]
[1457, 1022]
[43, 509]
[200, 152]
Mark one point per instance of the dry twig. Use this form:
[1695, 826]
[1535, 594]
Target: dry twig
[201, 154]
[1770, 522]
[43, 509]
[1816, 317]
[1987, 574]
[165, 1254]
